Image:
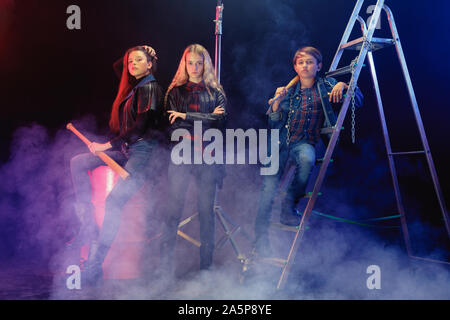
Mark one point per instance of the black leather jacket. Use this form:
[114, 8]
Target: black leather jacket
[140, 114]
[179, 99]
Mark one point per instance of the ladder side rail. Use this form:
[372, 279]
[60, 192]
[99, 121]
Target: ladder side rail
[346, 35]
[373, 22]
[387, 143]
[418, 117]
[311, 202]
[326, 160]
[332, 143]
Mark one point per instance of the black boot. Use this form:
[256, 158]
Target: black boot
[93, 273]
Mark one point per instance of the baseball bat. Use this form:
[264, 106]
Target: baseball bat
[290, 84]
[107, 159]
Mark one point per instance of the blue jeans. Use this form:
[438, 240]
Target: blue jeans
[179, 178]
[303, 155]
[136, 162]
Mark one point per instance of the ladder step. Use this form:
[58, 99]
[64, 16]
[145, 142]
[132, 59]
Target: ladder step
[321, 160]
[309, 194]
[328, 130]
[278, 262]
[344, 70]
[375, 44]
[278, 225]
[340, 72]
[407, 152]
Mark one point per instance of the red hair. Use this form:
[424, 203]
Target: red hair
[127, 82]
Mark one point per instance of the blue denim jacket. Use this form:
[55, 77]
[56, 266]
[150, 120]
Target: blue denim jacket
[278, 119]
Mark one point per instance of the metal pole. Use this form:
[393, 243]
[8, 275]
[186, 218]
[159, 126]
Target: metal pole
[218, 21]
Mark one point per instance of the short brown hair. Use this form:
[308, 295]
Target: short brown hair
[309, 50]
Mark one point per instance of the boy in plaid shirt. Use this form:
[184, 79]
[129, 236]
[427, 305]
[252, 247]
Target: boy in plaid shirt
[299, 114]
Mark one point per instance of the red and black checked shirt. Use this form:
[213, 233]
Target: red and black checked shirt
[194, 89]
[194, 103]
[306, 115]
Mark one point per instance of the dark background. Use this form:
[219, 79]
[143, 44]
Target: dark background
[51, 75]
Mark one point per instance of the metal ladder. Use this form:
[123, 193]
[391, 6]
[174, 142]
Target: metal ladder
[366, 45]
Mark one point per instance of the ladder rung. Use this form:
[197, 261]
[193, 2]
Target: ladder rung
[281, 226]
[375, 44]
[340, 71]
[328, 130]
[278, 262]
[309, 194]
[321, 160]
[407, 152]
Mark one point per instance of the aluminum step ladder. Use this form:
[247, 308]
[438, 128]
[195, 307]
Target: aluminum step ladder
[366, 45]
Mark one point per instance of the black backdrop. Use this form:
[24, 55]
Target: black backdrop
[51, 75]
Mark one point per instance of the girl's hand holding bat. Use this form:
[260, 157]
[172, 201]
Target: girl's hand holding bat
[95, 147]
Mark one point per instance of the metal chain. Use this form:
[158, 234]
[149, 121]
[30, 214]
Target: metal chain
[288, 122]
[353, 117]
[352, 87]
[288, 125]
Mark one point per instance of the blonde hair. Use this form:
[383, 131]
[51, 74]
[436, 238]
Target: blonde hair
[181, 76]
